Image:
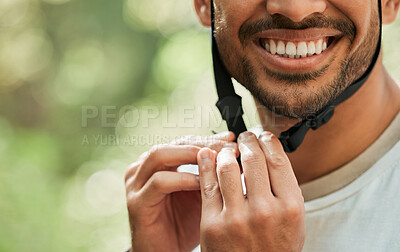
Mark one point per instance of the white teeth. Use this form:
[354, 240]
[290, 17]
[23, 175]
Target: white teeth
[311, 48]
[272, 46]
[302, 49]
[267, 47]
[281, 47]
[291, 49]
[318, 47]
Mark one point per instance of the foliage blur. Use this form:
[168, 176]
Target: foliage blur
[68, 68]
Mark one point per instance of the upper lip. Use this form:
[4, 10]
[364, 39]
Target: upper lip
[297, 35]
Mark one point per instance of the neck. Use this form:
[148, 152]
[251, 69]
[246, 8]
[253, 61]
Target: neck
[356, 124]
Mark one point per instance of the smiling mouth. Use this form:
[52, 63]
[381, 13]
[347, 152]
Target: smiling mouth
[296, 49]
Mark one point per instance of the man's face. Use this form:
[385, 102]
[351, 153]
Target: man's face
[296, 56]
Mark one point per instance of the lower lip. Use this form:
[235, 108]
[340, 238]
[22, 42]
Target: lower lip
[296, 65]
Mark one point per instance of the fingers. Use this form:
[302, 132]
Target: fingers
[230, 183]
[214, 142]
[132, 168]
[210, 193]
[180, 152]
[131, 171]
[166, 182]
[162, 157]
[282, 178]
[228, 136]
[254, 167]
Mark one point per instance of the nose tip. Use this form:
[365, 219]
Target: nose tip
[296, 10]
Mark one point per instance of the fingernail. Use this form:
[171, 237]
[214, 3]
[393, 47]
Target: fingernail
[245, 135]
[230, 145]
[266, 136]
[205, 155]
[228, 149]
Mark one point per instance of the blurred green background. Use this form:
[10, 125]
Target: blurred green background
[68, 71]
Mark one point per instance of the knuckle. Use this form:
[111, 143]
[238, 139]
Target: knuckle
[128, 180]
[225, 167]
[143, 156]
[251, 158]
[261, 215]
[155, 150]
[193, 148]
[131, 201]
[210, 189]
[131, 170]
[293, 210]
[232, 146]
[156, 181]
[278, 161]
[216, 144]
[236, 224]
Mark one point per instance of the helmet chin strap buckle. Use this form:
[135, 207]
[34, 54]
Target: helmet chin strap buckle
[314, 122]
[292, 138]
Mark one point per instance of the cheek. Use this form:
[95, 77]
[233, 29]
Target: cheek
[233, 13]
[359, 12]
[230, 15]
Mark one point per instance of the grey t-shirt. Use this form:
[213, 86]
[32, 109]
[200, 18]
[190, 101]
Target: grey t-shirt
[360, 206]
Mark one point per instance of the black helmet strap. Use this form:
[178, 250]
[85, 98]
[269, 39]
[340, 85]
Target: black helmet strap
[230, 104]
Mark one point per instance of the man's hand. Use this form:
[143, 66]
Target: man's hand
[165, 205]
[271, 216]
